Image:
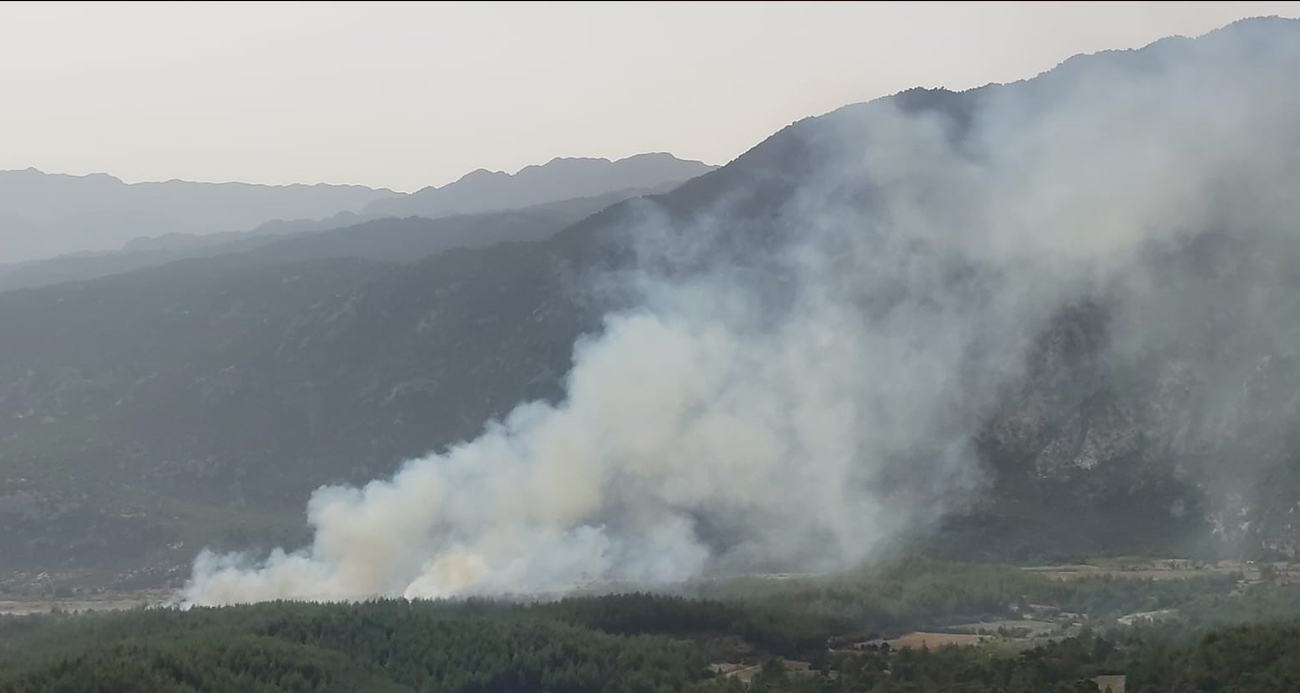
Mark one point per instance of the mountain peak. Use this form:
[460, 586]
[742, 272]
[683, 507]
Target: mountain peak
[561, 178]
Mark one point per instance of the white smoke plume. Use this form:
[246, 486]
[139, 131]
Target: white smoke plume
[810, 401]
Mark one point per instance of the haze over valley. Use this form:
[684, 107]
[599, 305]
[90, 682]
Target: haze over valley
[1011, 369]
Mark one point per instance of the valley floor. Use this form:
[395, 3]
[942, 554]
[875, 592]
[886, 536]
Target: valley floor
[17, 605]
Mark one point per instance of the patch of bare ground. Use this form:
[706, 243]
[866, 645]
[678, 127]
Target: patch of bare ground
[1011, 628]
[1170, 569]
[920, 639]
[17, 605]
[745, 672]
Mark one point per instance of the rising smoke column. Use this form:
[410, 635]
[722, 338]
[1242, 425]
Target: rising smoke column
[811, 399]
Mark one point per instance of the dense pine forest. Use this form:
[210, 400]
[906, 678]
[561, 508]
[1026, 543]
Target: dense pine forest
[811, 635]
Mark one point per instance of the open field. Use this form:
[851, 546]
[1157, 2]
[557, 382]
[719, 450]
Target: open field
[931, 641]
[1016, 634]
[1026, 627]
[745, 672]
[1170, 569]
[11, 605]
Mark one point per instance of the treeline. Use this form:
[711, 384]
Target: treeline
[1259, 658]
[377, 646]
[644, 643]
[1256, 658]
[772, 627]
[919, 593]
[617, 644]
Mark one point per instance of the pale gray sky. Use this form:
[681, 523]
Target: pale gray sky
[406, 95]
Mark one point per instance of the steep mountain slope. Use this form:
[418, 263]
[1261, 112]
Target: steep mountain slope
[1118, 377]
[243, 388]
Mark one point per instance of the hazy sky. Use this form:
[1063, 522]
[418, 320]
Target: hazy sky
[408, 95]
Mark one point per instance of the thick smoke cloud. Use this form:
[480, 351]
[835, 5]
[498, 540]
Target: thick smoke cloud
[808, 398]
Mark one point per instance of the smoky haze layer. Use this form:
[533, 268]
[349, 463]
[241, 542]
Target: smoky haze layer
[801, 388]
[43, 215]
[83, 219]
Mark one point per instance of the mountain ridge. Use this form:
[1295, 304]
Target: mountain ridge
[45, 215]
[559, 178]
[140, 254]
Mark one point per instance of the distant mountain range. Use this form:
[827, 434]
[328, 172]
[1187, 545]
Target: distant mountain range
[560, 179]
[47, 214]
[43, 215]
[343, 235]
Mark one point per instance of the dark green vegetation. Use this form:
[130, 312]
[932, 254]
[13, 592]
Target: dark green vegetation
[1256, 659]
[381, 646]
[923, 594]
[643, 643]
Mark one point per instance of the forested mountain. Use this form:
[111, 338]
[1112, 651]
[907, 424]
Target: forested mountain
[1152, 409]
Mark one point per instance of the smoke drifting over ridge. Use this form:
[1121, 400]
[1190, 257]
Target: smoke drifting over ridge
[802, 389]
